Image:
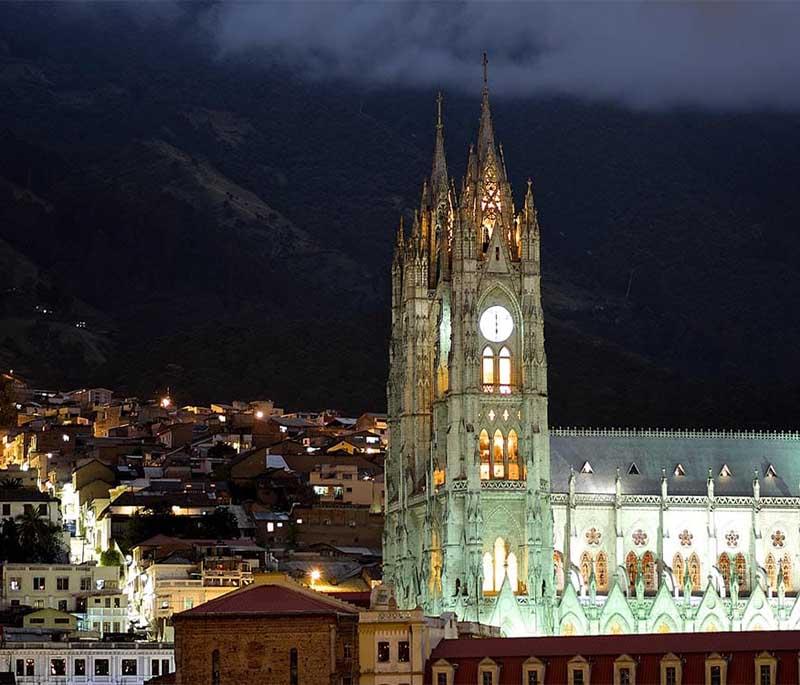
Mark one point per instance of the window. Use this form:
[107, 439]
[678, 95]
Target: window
[716, 670]
[505, 371]
[6, 510]
[115, 626]
[106, 626]
[108, 602]
[101, 667]
[649, 571]
[116, 602]
[441, 678]
[578, 671]
[62, 583]
[62, 604]
[154, 667]
[532, 672]
[483, 443]
[487, 678]
[513, 455]
[383, 652]
[86, 584]
[15, 584]
[724, 566]
[670, 675]
[43, 510]
[188, 602]
[79, 667]
[403, 651]
[61, 621]
[38, 583]
[215, 669]
[766, 668]
[293, 666]
[624, 676]
[624, 671]
[498, 448]
[533, 678]
[694, 572]
[348, 650]
[20, 667]
[488, 370]
[601, 572]
[29, 667]
[632, 567]
[677, 570]
[165, 666]
[37, 621]
[129, 667]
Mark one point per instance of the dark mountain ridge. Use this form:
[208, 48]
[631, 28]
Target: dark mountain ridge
[226, 229]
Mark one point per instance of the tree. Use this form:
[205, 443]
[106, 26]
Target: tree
[110, 557]
[220, 525]
[10, 549]
[40, 540]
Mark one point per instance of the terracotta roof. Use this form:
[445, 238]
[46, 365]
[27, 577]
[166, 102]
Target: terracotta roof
[679, 643]
[269, 600]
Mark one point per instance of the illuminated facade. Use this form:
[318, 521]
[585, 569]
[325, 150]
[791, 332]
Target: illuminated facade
[495, 517]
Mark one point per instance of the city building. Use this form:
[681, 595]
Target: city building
[74, 663]
[763, 658]
[274, 632]
[493, 516]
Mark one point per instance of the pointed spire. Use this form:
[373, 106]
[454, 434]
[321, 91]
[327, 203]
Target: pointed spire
[439, 173]
[529, 201]
[486, 131]
[400, 233]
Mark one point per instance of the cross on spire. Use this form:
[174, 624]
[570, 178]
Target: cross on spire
[439, 100]
[485, 71]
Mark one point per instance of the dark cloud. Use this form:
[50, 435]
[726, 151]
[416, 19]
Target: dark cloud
[716, 54]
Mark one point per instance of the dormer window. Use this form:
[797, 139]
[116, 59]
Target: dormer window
[725, 472]
[633, 470]
[587, 468]
[679, 471]
[771, 472]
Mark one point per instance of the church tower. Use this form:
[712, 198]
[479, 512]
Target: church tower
[468, 523]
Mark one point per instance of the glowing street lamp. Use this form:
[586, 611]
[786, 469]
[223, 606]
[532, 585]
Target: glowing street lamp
[165, 402]
[315, 576]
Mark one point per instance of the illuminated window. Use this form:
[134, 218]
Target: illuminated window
[484, 450]
[631, 564]
[601, 572]
[512, 571]
[772, 571]
[513, 455]
[741, 571]
[586, 567]
[724, 566]
[677, 569]
[383, 652]
[649, 571]
[498, 445]
[694, 572]
[505, 371]
[488, 573]
[558, 563]
[488, 369]
[499, 563]
[786, 567]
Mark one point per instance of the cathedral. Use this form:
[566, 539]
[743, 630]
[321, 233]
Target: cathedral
[501, 520]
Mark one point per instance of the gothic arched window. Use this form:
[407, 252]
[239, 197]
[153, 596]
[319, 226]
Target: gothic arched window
[601, 571]
[786, 566]
[487, 376]
[649, 571]
[631, 568]
[513, 571]
[724, 566]
[483, 442]
[513, 455]
[586, 567]
[498, 448]
[741, 571]
[504, 371]
[677, 570]
[488, 572]
[694, 572]
[558, 562]
[499, 563]
[772, 571]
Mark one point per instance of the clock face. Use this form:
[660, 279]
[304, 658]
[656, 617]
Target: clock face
[496, 324]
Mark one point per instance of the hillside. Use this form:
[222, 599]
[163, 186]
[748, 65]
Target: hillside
[225, 229]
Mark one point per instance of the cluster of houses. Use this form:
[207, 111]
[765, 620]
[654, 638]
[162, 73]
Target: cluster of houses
[161, 508]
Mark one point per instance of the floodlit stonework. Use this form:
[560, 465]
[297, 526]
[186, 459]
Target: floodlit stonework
[493, 516]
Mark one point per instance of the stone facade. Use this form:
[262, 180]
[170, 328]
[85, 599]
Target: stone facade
[497, 518]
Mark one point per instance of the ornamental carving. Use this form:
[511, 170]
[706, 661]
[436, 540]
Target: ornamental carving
[778, 538]
[639, 538]
[686, 538]
[732, 538]
[593, 536]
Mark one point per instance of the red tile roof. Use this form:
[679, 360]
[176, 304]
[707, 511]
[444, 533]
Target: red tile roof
[619, 644]
[269, 600]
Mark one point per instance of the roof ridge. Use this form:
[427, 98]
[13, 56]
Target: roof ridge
[701, 433]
